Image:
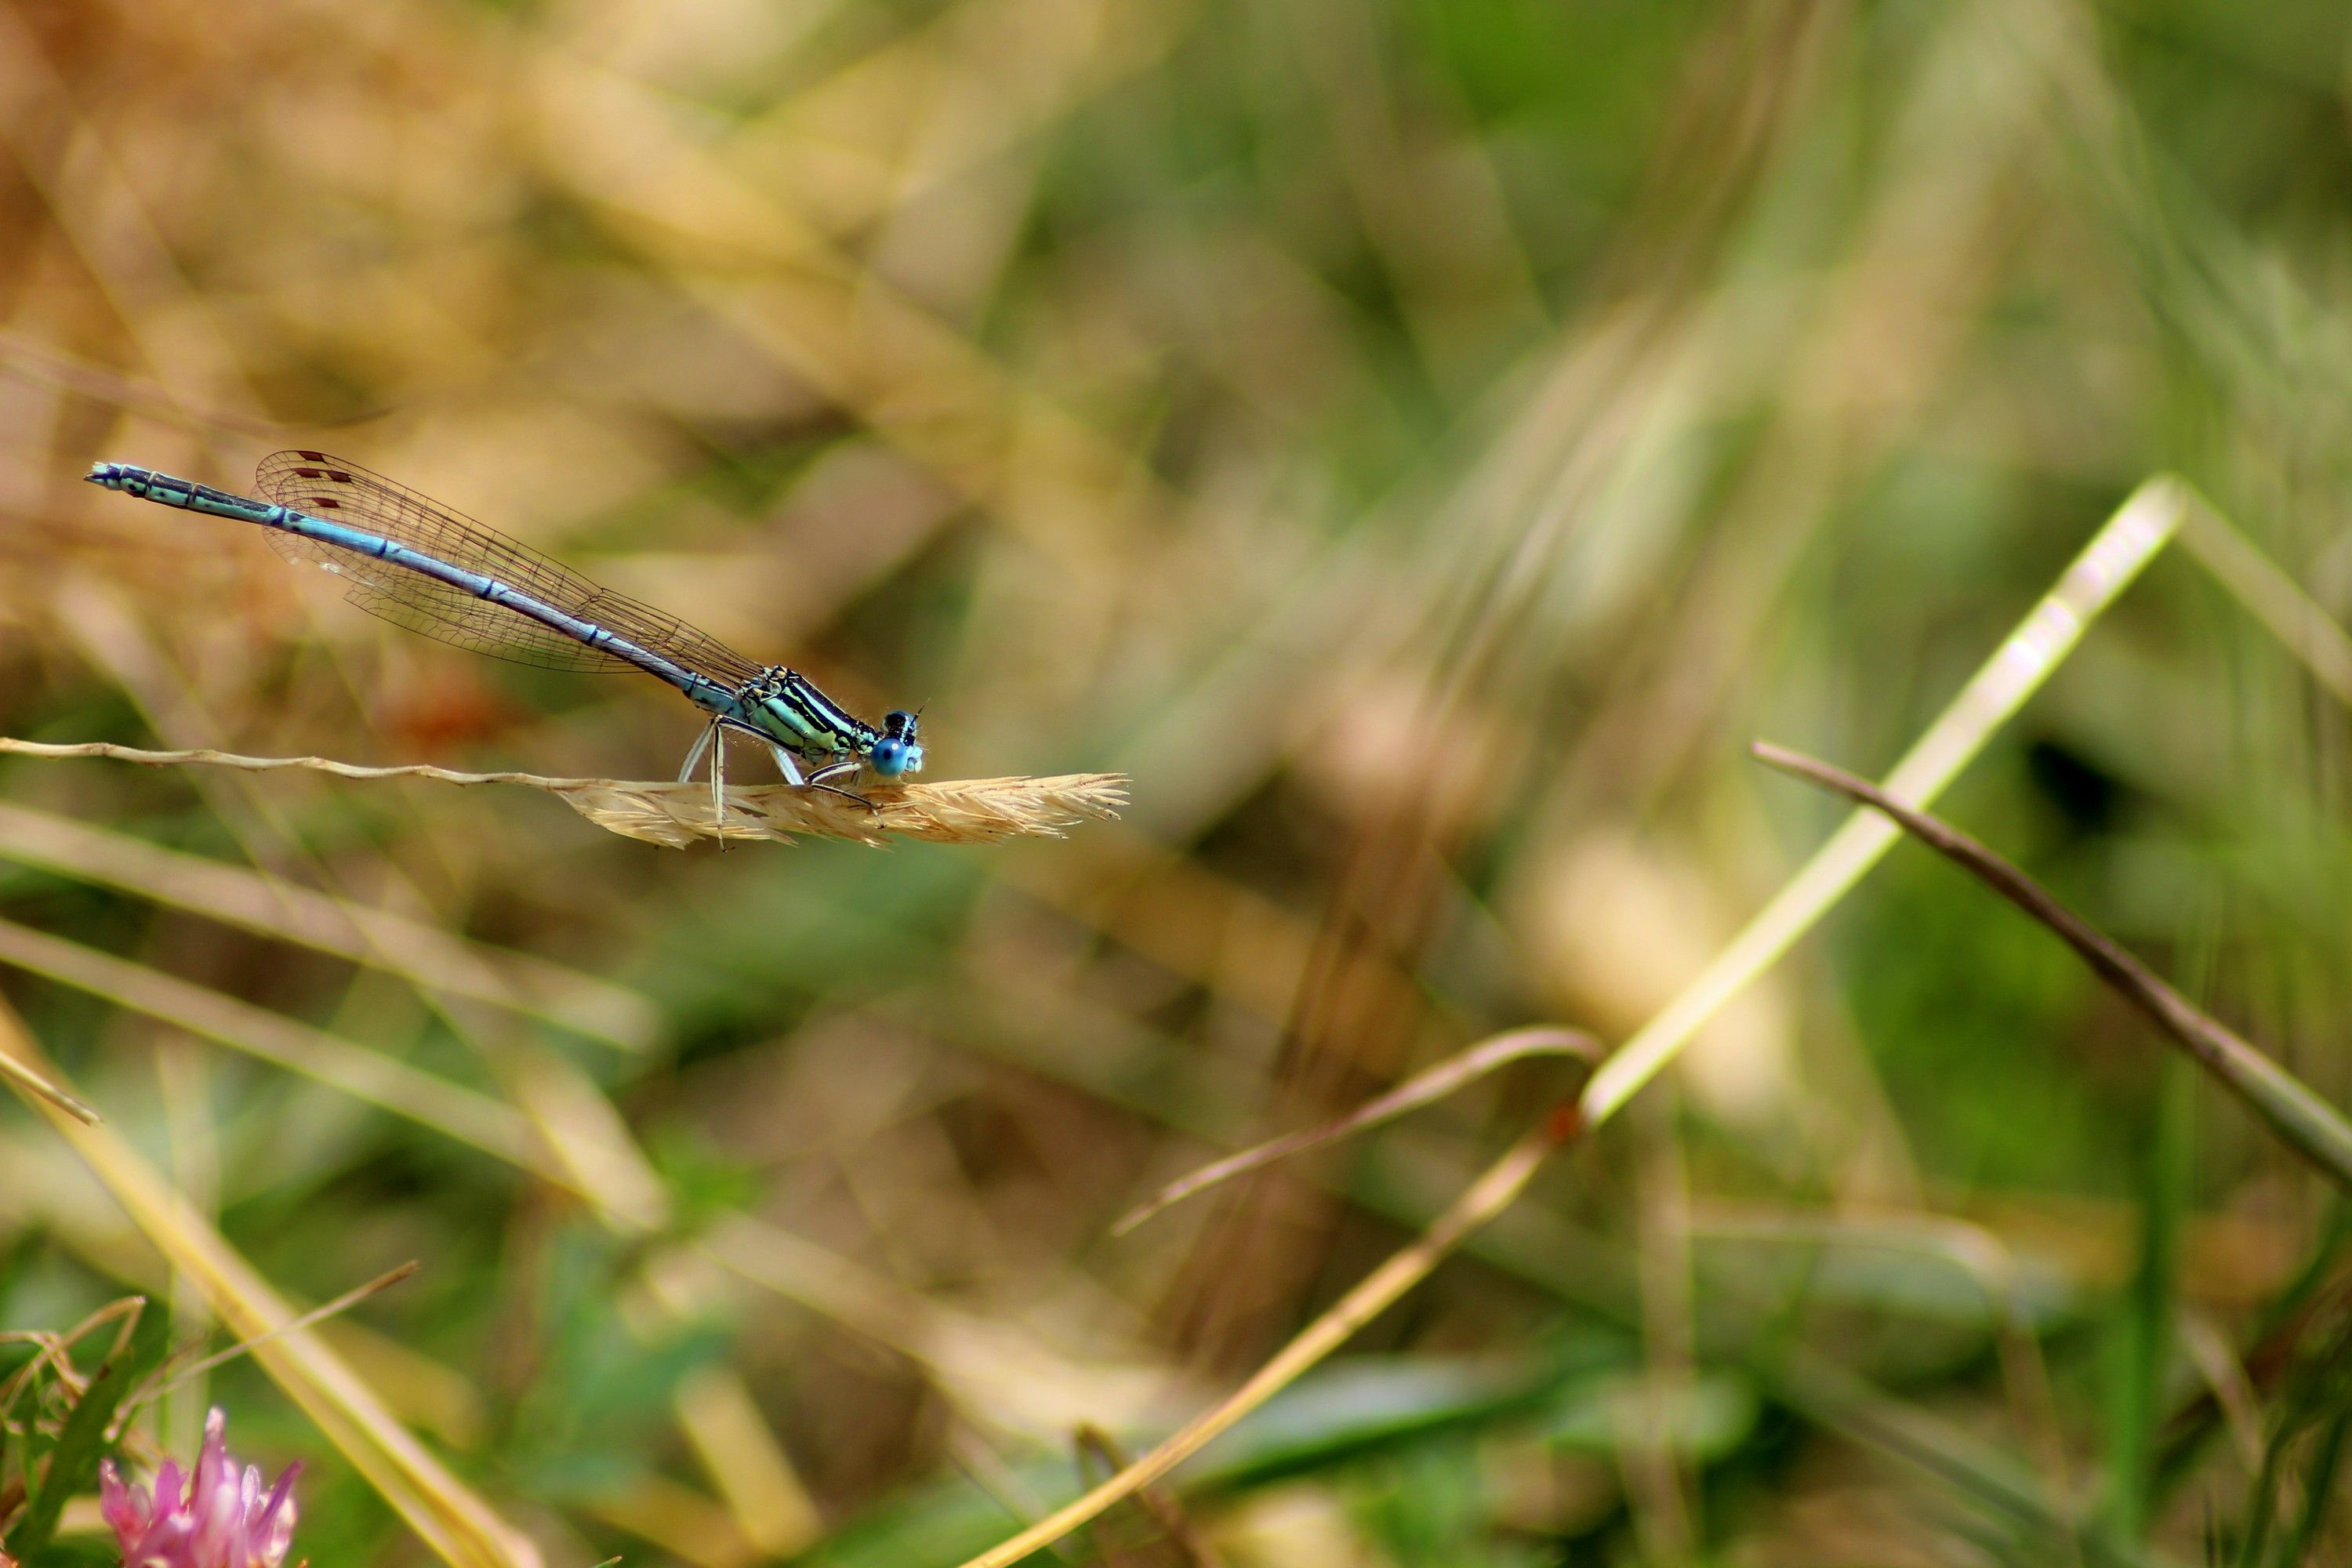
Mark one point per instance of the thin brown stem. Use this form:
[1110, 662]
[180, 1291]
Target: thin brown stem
[2308, 1123]
[1447, 1077]
[344, 1302]
[1174, 1523]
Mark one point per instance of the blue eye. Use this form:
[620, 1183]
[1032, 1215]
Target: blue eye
[891, 757]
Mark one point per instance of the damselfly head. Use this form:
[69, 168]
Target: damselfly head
[897, 753]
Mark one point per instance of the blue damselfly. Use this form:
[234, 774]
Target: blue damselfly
[420, 565]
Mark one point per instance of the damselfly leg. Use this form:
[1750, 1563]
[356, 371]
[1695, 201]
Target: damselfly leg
[694, 757]
[816, 780]
[719, 782]
[712, 740]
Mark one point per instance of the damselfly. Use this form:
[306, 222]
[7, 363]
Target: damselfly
[420, 565]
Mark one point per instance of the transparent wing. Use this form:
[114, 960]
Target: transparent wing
[338, 492]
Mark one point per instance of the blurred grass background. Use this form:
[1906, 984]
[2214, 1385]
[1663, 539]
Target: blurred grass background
[1421, 441]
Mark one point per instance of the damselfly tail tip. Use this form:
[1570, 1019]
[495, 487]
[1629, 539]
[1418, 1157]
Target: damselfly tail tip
[106, 474]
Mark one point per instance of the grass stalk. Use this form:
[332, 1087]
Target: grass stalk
[2270, 596]
[950, 811]
[22, 1077]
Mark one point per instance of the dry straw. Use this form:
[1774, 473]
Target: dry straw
[253, 900]
[953, 811]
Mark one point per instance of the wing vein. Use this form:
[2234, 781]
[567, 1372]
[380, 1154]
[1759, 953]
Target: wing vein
[337, 491]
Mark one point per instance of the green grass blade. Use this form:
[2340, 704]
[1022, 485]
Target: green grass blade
[2144, 1337]
[73, 1463]
[2131, 538]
